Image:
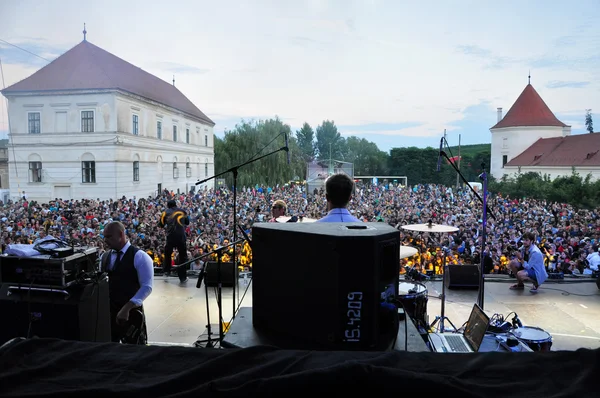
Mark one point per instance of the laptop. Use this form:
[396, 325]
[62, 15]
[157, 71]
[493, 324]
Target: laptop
[469, 341]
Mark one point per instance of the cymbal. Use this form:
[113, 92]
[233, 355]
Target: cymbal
[430, 228]
[407, 251]
[286, 219]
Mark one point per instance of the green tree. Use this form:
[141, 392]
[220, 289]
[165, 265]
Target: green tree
[589, 124]
[330, 142]
[306, 142]
[250, 140]
[368, 160]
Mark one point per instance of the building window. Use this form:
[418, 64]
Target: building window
[205, 140]
[188, 170]
[159, 130]
[504, 160]
[175, 133]
[205, 169]
[87, 121]
[88, 171]
[175, 170]
[136, 171]
[187, 136]
[136, 125]
[33, 119]
[35, 171]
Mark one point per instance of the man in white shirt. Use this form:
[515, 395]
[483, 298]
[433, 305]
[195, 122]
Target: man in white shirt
[131, 276]
[593, 259]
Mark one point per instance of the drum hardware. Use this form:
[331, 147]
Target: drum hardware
[411, 272]
[437, 228]
[536, 338]
[414, 297]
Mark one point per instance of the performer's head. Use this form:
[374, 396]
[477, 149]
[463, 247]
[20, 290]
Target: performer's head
[528, 239]
[279, 208]
[338, 190]
[114, 235]
[171, 204]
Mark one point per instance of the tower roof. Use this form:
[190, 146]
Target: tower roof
[88, 67]
[529, 110]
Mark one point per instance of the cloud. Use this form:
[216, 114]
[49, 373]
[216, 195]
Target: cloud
[175, 67]
[563, 84]
[405, 128]
[24, 53]
[491, 61]
[474, 50]
[303, 41]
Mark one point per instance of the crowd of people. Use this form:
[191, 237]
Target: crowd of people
[567, 237]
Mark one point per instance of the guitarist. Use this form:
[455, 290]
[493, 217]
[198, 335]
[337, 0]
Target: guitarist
[130, 278]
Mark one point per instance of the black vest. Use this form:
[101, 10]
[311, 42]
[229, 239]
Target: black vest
[123, 282]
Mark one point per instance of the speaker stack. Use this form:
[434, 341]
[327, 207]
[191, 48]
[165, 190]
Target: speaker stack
[48, 297]
[326, 286]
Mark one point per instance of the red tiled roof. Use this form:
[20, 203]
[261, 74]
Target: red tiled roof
[87, 66]
[529, 110]
[579, 150]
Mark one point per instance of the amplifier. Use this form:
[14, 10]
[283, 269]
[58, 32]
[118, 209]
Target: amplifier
[47, 270]
[80, 312]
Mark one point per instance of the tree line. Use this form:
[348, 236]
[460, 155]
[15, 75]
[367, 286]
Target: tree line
[251, 139]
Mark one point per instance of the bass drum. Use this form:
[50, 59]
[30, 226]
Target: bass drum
[536, 338]
[413, 296]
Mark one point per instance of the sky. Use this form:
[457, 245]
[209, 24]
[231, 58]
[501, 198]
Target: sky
[394, 72]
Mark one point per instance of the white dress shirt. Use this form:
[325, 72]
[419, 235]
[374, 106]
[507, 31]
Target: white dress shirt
[145, 269]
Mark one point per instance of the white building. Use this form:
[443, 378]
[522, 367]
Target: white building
[91, 125]
[531, 139]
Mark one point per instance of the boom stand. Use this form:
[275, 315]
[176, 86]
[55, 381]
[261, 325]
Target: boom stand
[234, 171]
[483, 177]
[219, 253]
[485, 212]
[442, 317]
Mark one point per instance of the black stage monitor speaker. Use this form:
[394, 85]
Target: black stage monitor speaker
[228, 274]
[462, 277]
[80, 312]
[326, 286]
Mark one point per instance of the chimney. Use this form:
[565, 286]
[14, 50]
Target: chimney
[499, 114]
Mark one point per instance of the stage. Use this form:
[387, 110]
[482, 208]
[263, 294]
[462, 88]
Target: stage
[176, 314]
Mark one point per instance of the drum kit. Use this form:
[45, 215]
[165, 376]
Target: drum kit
[413, 295]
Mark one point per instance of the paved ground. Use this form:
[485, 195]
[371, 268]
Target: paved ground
[568, 311]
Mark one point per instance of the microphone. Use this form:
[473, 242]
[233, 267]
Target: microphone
[287, 148]
[439, 163]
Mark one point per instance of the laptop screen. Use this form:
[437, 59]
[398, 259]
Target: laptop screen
[476, 327]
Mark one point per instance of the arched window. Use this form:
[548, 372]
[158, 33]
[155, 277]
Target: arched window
[35, 168]
[88, 168]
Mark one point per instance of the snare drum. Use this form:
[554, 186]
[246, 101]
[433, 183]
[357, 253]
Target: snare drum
[413, 296]
[537, 339]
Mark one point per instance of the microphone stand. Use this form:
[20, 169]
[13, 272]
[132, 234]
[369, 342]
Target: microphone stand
[219, 253]
[234, 171]
[480, 297]
[486, 210]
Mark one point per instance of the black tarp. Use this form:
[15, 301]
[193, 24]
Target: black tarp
[56, 368]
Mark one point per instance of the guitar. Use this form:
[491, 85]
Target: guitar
[133, 328]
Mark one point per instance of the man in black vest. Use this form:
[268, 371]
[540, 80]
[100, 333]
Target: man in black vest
[174, 220]
[130, 278]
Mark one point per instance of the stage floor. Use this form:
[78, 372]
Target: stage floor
[176, 314]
